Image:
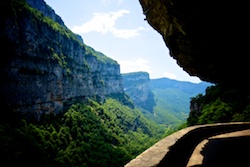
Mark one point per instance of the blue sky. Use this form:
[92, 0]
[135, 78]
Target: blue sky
[117, 29]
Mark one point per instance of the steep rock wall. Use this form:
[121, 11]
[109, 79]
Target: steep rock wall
[136, 85]
[45, 66]
[45, 10]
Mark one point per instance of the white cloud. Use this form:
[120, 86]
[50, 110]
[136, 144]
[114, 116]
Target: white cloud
[136, 65]
[105, 22]
[127, 33]
[169, 75]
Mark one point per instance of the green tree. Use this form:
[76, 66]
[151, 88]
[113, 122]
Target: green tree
[215, 112]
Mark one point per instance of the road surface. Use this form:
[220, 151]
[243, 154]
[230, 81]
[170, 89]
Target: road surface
[230, 149]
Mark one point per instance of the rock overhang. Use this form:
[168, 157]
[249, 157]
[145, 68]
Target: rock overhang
[207, 38]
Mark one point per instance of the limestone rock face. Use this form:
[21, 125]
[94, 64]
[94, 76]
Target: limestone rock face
[136, 85]
[207, 38]
[45, 10]
[45, 66]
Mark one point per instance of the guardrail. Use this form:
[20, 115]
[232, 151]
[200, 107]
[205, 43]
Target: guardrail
[175, 149]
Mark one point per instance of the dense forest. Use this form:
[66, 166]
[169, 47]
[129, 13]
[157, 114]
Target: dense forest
[90, 134]
[219, 104]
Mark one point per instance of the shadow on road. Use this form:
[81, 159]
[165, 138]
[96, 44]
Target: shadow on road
[230, 151]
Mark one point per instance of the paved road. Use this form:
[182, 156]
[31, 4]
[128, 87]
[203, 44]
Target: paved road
[231, 150]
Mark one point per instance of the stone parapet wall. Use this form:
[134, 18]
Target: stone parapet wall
[175, 149]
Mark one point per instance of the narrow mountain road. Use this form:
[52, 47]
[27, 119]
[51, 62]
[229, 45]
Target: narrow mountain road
[230, 149]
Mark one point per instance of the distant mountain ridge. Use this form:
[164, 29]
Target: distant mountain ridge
[189, 87]
[165, 100]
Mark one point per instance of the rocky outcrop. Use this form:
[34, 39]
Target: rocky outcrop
[205, 37]
[45, 10]
[136, 85]
[44, 66]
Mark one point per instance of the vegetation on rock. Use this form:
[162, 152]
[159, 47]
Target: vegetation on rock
[219, 104]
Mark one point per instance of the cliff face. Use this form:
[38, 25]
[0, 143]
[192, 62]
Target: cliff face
[44, 65]
[136, 85]
[45, 10]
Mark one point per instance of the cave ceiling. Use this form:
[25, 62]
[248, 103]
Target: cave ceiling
[207, 38]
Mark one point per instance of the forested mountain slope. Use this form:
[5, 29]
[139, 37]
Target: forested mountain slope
[164, 100]
[173, 98]
[90, 134]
